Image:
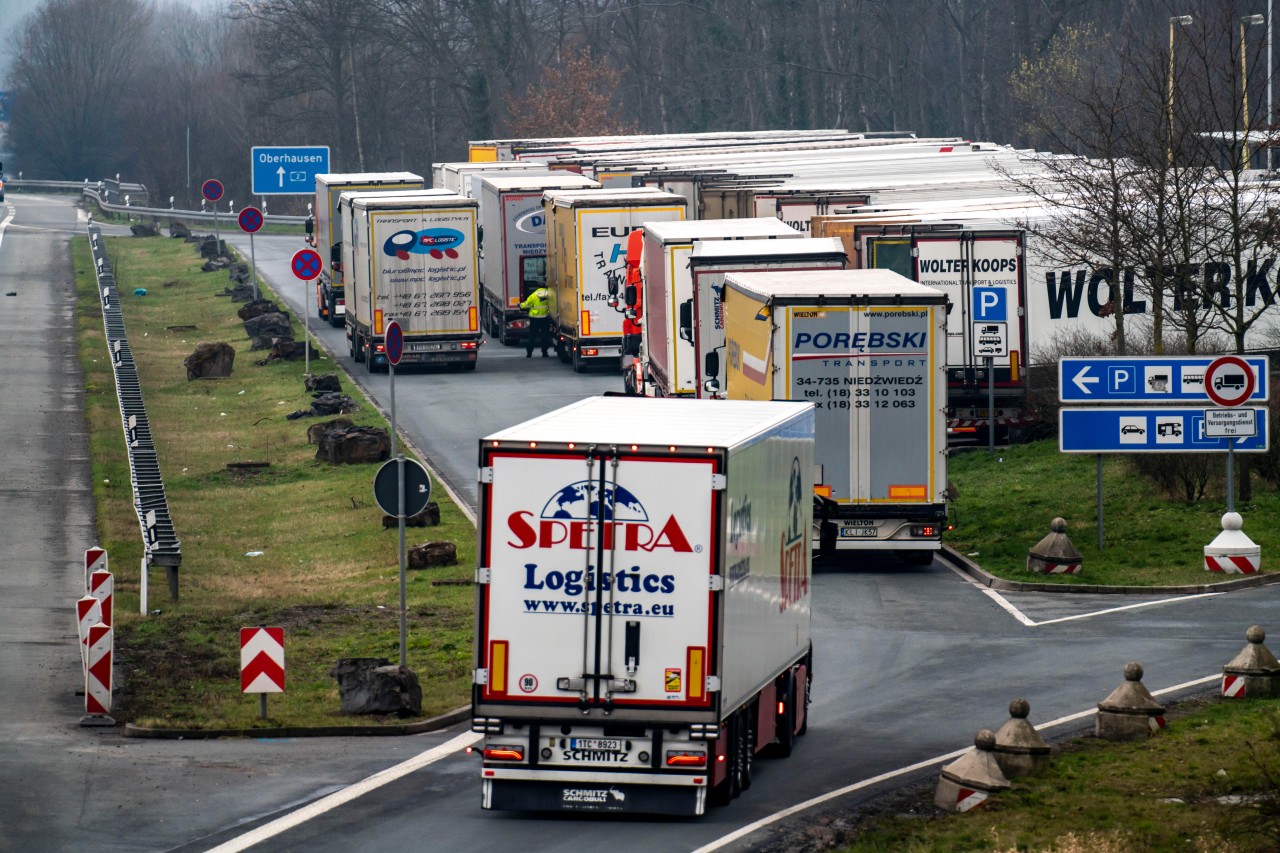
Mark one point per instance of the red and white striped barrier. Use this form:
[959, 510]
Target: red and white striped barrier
[88, 613]
[1231, 551]
[970, 798]
[102, 587]
[97, 682]
[1061, 568]
[1239, 564]
[1156, 723]
[95, 559]
[1233, 686]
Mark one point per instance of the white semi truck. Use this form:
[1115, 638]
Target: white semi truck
[324, 230]
[642, 603]
[513, 252]
[868, 349]
[411, 257]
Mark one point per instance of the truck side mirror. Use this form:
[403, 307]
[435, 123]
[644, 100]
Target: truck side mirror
[686, 320]
[629, 296]
[611, 281]
[711, 365]
[335, 255]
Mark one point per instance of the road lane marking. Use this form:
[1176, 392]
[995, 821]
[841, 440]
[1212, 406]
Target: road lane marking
[739, 834]
[347, 794]
[5, 222]
[1009, 607]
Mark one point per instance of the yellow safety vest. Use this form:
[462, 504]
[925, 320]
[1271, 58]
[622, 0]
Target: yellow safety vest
[538, 304]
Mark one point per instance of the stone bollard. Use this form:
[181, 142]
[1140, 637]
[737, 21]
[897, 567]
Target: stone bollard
[1255, 672]
[1019, 750]
[1231, 550]
[1054, 554]
[1130, 712]
[967, 782]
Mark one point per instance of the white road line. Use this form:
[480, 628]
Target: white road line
[739, 834]
[346, 795]
[1008, 606]
[5, 222]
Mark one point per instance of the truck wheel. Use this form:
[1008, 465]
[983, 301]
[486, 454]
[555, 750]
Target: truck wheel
[369, 358]
[468, 365]
[787, 719]
[562, 350]
[808, 696]
[578, 364]
[334, 319]
[747, 761]
[723, 793]
[917, 558]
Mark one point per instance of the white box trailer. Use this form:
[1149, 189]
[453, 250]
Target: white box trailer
[513, 248]
[411, 257]
[642, 602]
[867, 348]
[324, 231]
[667, 360]
[710, 262]
[587, 233]
[453, 176]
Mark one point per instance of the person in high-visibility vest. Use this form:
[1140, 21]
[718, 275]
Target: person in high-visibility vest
[539, 307]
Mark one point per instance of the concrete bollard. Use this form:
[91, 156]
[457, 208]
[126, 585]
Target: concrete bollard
[1231, 550]
[1054, 554]
[1130, 712]
[1255, 672]
[967, 782]
[1019, 750]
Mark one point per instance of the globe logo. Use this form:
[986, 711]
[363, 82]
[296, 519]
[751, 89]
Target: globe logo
[580, 501]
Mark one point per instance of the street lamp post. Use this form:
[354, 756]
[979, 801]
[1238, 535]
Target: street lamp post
[1184, 21]
[1246, 21]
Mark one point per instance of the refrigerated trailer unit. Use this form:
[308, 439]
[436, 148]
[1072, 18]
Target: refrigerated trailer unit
[513, 257]
[325, 227]
[642, 602]
[866, 348]
[412, 258]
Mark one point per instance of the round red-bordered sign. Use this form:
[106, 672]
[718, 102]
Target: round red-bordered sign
[306, 264]
[211, 189]
[250, 220]
[1229, 381]
[528, 682]
[394, 342]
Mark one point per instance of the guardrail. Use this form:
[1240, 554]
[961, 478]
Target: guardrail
[175, 213]
[159, 540]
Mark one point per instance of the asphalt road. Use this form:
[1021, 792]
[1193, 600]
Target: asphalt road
[909, 662]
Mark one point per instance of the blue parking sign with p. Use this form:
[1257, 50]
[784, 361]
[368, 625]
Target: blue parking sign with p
[990, 305]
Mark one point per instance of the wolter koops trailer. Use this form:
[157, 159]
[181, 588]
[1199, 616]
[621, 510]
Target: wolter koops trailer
[868, 349]
[643, 602]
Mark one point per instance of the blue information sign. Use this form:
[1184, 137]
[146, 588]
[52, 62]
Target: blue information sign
[1149, 379]
[990, 305]
[1147, 430]
[284, 170]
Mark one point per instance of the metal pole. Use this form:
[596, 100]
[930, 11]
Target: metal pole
[189, 155]
[1271, 116]
[1099, 476]
[253, 260]
[991, 406]
[404, 600]
[217, 232]
[306, 324]
[263, 706]
[142, 588]
[1231, 475]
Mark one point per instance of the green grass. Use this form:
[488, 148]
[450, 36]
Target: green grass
[329, 572]
[1005, 503]
[1208, 783]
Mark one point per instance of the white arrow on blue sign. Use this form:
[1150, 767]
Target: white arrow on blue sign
[1146, 379]
[1150, 430]
[287, 170]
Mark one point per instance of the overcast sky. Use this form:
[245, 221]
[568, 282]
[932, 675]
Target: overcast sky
[13, 13]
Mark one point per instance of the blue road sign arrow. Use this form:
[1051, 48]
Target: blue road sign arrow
[1083, 380]
[287, 170]
[1147, 379]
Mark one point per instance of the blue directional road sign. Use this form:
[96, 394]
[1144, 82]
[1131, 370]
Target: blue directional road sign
[990, 305]
[282, 170]
[1148, 430]
[1146, 379]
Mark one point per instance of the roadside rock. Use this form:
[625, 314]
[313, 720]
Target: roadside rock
[430, 554]
[178, 230]
[257, 308]
[429, 517]
[357, 445]
[315, 431]
[145, 229]
[375, 686]
[210, 361]
[272, 324]
[323, 382]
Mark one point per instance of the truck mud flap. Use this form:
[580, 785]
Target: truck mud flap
[521, 795]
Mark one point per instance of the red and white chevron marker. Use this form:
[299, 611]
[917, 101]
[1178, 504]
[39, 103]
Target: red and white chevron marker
[262, 660]
[102, 587]
[88, 613]
[968, 798]
[94, 558]
[1233, 686]
[97, 681]
[1233, 565]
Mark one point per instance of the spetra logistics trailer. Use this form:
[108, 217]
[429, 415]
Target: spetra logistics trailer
[513, 248]
[643, 602]
[586, 264]
[324, 231]
[866, 347]
[411, 257]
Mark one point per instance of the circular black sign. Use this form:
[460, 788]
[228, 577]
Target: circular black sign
[417, 487]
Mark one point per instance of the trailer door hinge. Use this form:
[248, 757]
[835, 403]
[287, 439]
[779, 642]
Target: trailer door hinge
[486, 474]
[480, 676]
[719, 482]
[713, 684]
[715, 583]
[483, 576]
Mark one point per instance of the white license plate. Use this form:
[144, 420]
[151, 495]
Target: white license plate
[608, 744]
[426, 347]
[858, 532]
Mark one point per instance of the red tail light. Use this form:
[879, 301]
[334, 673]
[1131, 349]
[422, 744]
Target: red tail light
[504, 753]
[469, 345]
[686, 759]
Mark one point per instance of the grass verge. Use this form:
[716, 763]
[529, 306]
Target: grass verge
[328, 571]
[1004, 504]
[1208, 783]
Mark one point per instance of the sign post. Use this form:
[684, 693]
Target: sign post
[988, 339]
[394, 344]
[262, 662]
[212, 191]
[251, 220]
[306, 266]
[402, 488]
[1229, 382]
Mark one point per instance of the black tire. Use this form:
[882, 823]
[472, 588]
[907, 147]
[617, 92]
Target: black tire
[578, 364]
[808, 692]
[723, 794]
[562, 350]
[370, 358]
[787, 719]
[917, 558]
[470, 365]
[747, 762]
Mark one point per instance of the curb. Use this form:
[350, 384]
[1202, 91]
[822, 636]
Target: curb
[430, 724]
[989, 580]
